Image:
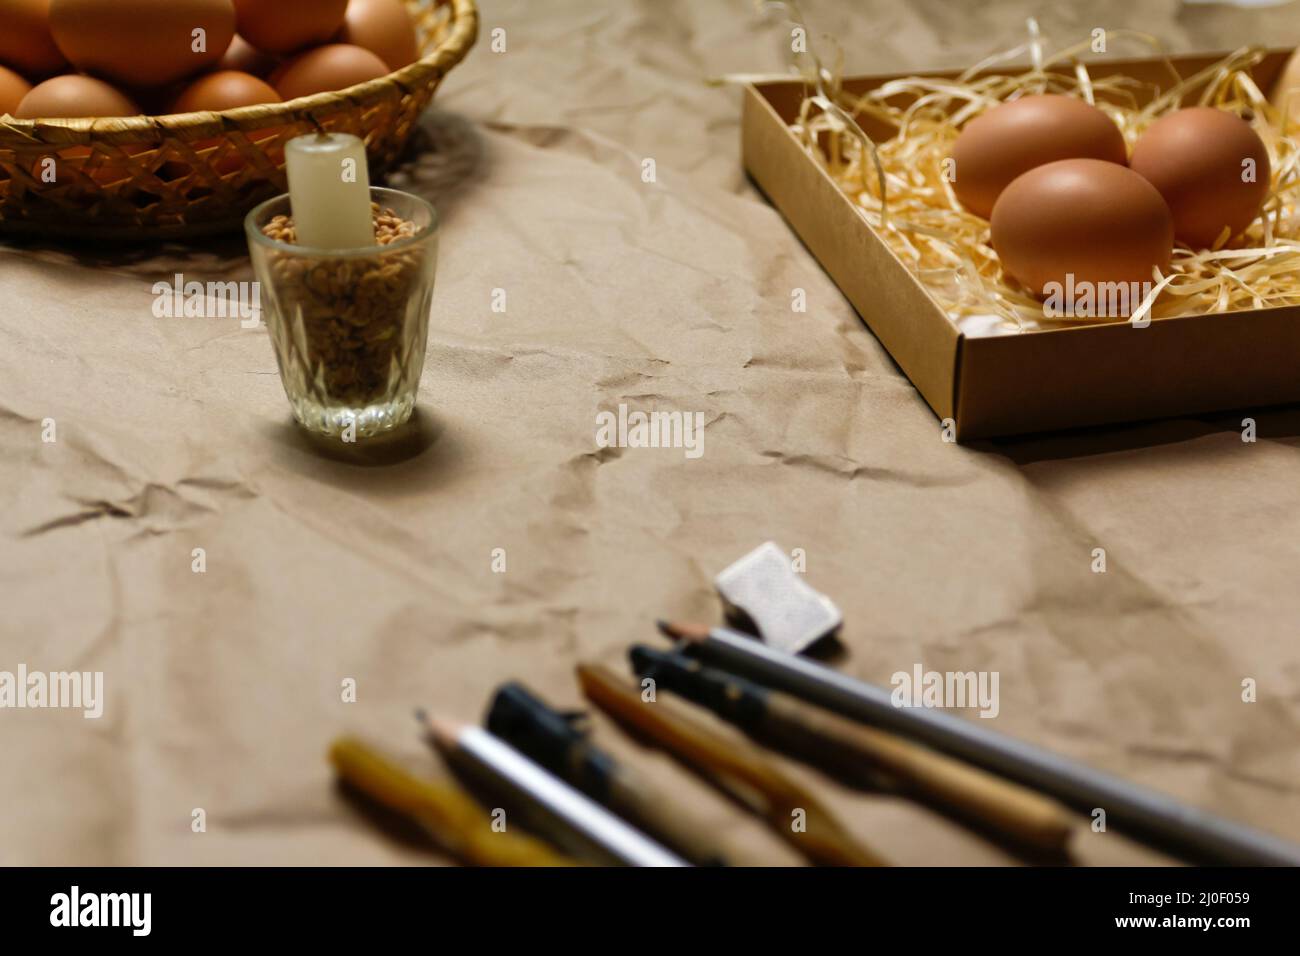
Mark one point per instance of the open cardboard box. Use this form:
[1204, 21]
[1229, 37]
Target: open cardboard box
[1033, 380]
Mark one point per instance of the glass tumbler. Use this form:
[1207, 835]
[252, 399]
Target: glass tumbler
[349, 326]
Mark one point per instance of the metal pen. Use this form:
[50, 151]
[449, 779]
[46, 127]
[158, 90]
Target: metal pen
[560, 742]
[880, 758]
[483, 755]
[1161, 820]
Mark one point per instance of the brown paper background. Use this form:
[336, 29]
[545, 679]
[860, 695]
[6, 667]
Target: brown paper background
[174, 434]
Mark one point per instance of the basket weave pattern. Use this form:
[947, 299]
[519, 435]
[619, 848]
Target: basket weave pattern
[153, 177]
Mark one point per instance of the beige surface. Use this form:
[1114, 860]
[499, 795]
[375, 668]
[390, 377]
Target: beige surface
[223, 687]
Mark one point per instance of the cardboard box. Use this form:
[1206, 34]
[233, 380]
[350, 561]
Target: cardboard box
[1035, 380]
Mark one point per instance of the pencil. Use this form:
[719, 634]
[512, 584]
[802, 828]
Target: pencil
[587, 826]
[739, 771]
[561, 743]
[864, 754]
[447, 814]
[1186, 831]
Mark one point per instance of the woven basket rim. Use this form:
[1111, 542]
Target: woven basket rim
[460, 38]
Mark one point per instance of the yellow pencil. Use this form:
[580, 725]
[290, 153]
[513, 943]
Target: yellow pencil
[449, 815]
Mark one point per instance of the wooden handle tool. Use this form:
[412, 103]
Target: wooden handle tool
[740, 771]
[865, 754]
[1009, 810]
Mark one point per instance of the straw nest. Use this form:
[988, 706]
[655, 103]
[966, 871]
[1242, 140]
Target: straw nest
[900, 188]
[190, 174]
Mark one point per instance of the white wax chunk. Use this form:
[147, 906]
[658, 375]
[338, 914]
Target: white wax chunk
[329, 189]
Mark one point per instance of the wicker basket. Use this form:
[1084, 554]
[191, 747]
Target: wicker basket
[192, 174]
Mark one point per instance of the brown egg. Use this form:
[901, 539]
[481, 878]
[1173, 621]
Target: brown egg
[12, 90]
[142, 42]
[73, 97]
[25, 40]
[385, 28]
[1081, 220]
[224, 90]
[283, 26]
[325, 69]
[1285, 94]
[1210, 166]
[217, 91]
[996, 147]
[246, 58]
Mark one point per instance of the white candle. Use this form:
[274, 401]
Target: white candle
[329, 189]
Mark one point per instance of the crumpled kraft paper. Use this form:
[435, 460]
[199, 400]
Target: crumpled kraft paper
[380, 570]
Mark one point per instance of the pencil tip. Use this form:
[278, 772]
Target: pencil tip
[440, 730]
[683, 632]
